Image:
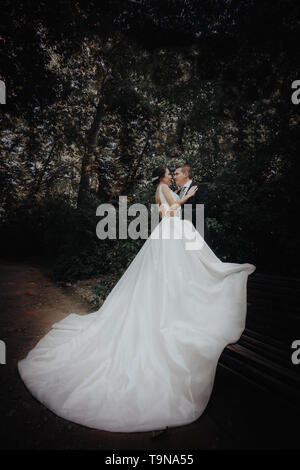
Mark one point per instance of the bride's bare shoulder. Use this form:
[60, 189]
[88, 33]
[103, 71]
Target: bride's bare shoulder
[164, 187]
[166, 190]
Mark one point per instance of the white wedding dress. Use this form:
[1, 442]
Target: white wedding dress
[147, 358]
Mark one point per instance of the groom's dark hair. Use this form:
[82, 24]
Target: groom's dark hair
[188, 169]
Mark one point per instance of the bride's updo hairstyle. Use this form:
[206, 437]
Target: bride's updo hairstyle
[157, 174]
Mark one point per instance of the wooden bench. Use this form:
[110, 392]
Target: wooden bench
[262, 356]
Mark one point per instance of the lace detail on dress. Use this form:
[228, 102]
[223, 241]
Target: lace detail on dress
[167, 206]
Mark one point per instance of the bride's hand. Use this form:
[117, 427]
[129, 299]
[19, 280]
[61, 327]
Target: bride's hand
[192, 191]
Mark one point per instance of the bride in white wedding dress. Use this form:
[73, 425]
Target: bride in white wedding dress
[146, 360]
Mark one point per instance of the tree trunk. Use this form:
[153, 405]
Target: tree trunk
[87, 160]
[132, 174]
[37, 185]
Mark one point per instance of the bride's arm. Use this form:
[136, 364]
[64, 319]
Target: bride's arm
[167, 193]
[189, 194]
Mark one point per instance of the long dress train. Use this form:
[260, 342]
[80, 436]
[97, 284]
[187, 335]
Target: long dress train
[147, 358]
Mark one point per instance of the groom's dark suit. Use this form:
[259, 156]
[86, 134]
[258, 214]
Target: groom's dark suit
[200, 197]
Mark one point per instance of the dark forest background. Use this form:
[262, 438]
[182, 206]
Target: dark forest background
[100, 93]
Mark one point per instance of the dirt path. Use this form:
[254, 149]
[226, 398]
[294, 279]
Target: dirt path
[30, 304]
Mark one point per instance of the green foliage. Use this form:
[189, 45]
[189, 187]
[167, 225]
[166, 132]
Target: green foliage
[166, 83]
[66, 237]
[121, 253]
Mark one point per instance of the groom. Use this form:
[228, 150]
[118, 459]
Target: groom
[183, 178]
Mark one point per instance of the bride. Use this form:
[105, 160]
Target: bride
[146, 360]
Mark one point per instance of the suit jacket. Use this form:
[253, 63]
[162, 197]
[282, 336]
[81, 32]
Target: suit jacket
[200, 197]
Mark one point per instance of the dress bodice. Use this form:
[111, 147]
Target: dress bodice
[165, 203]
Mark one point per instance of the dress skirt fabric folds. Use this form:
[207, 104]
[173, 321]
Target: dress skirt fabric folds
[147, 358]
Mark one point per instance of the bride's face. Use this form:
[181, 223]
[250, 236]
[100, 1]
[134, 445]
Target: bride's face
[167, 179]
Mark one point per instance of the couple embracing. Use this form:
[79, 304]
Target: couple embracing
[186, 202]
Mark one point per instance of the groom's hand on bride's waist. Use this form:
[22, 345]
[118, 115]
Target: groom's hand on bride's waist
[172, 211]
[161, 210]
[174, 206]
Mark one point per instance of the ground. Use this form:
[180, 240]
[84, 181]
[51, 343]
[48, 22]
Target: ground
[236, 416]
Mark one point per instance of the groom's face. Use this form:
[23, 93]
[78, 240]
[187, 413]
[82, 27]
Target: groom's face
[180, 177]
